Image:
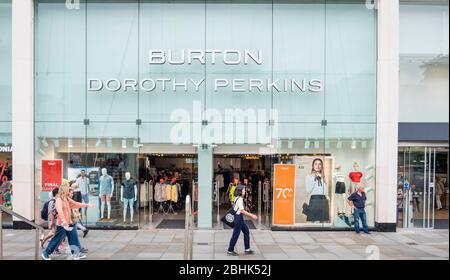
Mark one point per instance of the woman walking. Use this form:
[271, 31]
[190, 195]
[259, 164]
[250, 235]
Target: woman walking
[64, 225]
[239, 222]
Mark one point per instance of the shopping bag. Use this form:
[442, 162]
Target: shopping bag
[228, 218]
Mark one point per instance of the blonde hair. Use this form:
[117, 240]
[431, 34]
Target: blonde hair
[64, 191]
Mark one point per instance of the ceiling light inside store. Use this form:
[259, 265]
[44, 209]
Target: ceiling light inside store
[124, 143]
[307, 143]
[364, 144]
[44, 142]
[56, 142]
[109, 143]
[98, 143]
[353, 144]
[339, 144]
[70, 143]
[316, 144]
[290, 144]
[279, 144]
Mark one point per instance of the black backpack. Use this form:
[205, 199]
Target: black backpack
[44, 211]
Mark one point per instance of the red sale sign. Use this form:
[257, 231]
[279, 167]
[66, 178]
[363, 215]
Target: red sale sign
[51, 174]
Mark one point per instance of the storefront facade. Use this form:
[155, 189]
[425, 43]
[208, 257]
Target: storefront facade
[207, 91]
[423, 122]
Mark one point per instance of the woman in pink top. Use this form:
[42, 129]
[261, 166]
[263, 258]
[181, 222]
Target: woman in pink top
[65, 225]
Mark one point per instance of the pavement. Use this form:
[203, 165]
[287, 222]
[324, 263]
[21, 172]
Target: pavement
[165, 244]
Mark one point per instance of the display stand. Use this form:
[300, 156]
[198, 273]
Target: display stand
[170, 210]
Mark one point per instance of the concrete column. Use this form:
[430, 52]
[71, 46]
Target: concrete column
[205, 178]
[387, 115]
[23, 108]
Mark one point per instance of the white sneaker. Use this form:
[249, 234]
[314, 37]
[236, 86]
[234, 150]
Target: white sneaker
[45, 258]
[79, 256]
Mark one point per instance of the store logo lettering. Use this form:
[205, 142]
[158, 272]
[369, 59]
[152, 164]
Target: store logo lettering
[161, 61]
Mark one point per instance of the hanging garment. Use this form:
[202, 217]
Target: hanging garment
[160, 192]
[231, 190]
[355, 176]
[174, 192]
[220, 180]
[168, 191]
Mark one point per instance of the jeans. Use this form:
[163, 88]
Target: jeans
[238, 227]
[361, 213]
[128, 203]
[85, 199]
[59, 237]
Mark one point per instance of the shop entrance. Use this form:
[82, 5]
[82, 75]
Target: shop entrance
[253, 171]
[423, 195]
[166, 180]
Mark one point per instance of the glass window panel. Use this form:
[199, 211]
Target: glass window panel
[352, 148]
[113, 147]
[59, 141]
[60, 54]
[351, 62]
[232, 27]
[176, 28]
[298, 54]
[5, 58]
[112, 58]
[424, 63]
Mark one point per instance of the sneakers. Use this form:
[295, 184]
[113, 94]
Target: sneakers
[85, 233]
[78, 256]
[249, 252]
[83, 250]
[45, 257]
[367, 232]
[232, 253]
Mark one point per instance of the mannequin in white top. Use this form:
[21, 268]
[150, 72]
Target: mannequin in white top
[128, 195]
[340, 189]
[106, 192]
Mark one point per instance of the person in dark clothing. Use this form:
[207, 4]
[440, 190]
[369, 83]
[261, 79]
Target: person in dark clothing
[357, 201]
[240, 223]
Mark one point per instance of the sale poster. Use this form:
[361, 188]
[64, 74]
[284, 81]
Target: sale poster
[284, 194]
[51, 174]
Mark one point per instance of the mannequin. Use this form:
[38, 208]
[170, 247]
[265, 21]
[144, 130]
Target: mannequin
[340, 190]
[160, 193]
[106, 192]
[355, 177]
[128, 195]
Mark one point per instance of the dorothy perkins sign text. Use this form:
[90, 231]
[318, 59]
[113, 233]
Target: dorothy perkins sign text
[261, 82]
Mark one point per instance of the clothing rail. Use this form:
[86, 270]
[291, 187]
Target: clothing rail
[38, 228]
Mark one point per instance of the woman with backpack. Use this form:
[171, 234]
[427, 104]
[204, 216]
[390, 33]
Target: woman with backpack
[64, 224]
[239, 223]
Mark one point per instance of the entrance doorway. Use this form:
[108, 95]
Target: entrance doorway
[253, 171]
[166, 180]
[423, 194]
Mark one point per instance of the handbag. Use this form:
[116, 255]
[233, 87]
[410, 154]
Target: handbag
[229, 217]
